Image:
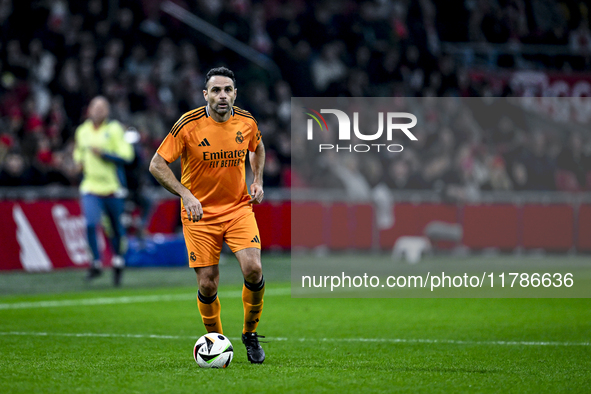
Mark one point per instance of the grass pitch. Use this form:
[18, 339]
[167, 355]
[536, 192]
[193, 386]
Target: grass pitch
[94, 339]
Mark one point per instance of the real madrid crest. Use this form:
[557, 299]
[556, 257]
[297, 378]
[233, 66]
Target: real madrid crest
[239, 137]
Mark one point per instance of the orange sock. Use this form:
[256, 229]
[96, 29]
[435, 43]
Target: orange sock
[210, 309]
[252, 300]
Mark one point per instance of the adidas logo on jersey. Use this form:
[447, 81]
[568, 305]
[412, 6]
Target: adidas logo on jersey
[256, 239]
[205, 142]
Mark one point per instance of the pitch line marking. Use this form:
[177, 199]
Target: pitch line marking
[281, 339]
[129, 299]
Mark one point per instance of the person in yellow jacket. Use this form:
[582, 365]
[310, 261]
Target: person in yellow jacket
[101, 152]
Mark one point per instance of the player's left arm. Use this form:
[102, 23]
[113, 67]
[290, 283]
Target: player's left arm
[78, 154]
[120, 152]
[257, 163]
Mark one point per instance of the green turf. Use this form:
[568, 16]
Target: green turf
[315, 345]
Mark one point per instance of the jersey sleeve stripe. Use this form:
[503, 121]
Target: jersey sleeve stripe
[180, 122]
[198, 111]
[250, 117]
[246, 114]
[184, 120]
[188, 120]
[242, 112]
[190, 113]
[238, 109]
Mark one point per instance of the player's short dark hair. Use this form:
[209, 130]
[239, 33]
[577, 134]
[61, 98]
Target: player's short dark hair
[221, 71]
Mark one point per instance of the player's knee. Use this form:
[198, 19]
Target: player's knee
[253, 273]
[207, 287]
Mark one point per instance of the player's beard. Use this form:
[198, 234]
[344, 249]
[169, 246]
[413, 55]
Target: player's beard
[223, 110]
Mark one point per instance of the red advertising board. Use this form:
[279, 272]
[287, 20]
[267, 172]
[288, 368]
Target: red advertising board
[491, 225]
[42, 235]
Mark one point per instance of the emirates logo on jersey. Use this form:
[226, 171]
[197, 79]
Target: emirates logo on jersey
[239, 137]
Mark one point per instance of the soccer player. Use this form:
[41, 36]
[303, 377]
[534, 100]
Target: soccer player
[100, 152]
[213, 142]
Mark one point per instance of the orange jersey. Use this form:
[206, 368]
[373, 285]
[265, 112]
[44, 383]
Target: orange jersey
[212, 160]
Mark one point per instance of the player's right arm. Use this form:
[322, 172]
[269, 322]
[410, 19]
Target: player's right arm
[161, 171]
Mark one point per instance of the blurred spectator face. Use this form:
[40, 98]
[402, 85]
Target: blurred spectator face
[463, 156]
[58, 160]
[108, 67]
[368, 11]
[282, 91]
[391, 60]
[87, 72]
[75, 24]
[138, 53]
[166, 49]
[35, 47]
[519, 173]
[5, 10]
[284, 144]
[302, 50]
[125, 18]
[329, 52]
[213, 7]
[272, 164]
[44, 155]
[189, 54]
[268, 127]
[114, 48]
[499, 179]
[98, 110]
[14, 164]
[350, 162]
[400, 172]
[87, 53]
[15, 118]
[70, 77]
[436, 168]
[95, 7]
[102, 29]
[260, 93]
[447, 65]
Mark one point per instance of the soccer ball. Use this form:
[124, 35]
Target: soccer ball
[213, 350]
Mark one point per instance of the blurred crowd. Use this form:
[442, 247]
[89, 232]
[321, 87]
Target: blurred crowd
[464, 146]
[55, 55]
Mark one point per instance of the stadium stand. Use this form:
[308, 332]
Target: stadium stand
[151, 68]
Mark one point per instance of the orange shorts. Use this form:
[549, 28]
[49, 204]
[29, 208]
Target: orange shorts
[204, 241]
